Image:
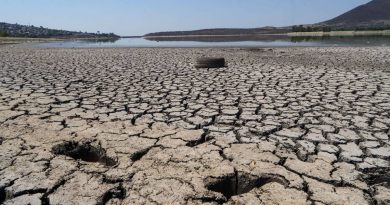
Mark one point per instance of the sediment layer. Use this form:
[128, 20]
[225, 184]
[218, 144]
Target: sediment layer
[143, 126]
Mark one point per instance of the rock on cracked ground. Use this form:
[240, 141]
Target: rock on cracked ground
[143, 126]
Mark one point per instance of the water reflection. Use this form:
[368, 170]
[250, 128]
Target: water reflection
[353, 40]
[265, 38]
[102, 40]
[297, 39]
[224, 41]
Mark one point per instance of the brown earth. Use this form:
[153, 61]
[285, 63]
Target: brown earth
[143, 126]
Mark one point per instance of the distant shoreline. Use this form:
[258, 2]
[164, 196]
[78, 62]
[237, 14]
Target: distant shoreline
[291, 34]
[236, 35]
[340, 33]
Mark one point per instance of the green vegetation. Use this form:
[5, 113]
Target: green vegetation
[3, 34]
[364, 29]
[302, 28]
[336, 38]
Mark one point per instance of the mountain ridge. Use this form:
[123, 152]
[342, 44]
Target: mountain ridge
[375, 13]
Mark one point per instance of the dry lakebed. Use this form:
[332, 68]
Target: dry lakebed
[144, 126]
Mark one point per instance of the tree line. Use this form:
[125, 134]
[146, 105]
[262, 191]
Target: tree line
[302, 28]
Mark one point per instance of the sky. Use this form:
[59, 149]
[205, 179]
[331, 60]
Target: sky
[138, 17]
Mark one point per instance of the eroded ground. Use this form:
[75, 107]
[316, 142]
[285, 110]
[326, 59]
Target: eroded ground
[143, 126]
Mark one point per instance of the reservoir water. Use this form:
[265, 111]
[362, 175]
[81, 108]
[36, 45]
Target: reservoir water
[226, 41]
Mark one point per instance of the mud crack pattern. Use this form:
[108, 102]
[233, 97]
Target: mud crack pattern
[143, 126]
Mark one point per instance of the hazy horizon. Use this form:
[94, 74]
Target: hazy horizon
[131, 17]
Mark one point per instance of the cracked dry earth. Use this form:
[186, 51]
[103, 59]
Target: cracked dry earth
[143, 126]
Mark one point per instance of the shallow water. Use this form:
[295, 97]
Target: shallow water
[232, 41]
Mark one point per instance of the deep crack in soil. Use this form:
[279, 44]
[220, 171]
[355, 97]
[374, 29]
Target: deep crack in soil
[240, 183]
[85, 152]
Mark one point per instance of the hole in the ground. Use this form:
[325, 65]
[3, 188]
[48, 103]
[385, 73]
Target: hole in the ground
[138, 155]
[225, 186]
[85, 152]
[241, 183]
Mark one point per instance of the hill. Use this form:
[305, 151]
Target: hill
[373, 14]
[223, 31]
[16, 30]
